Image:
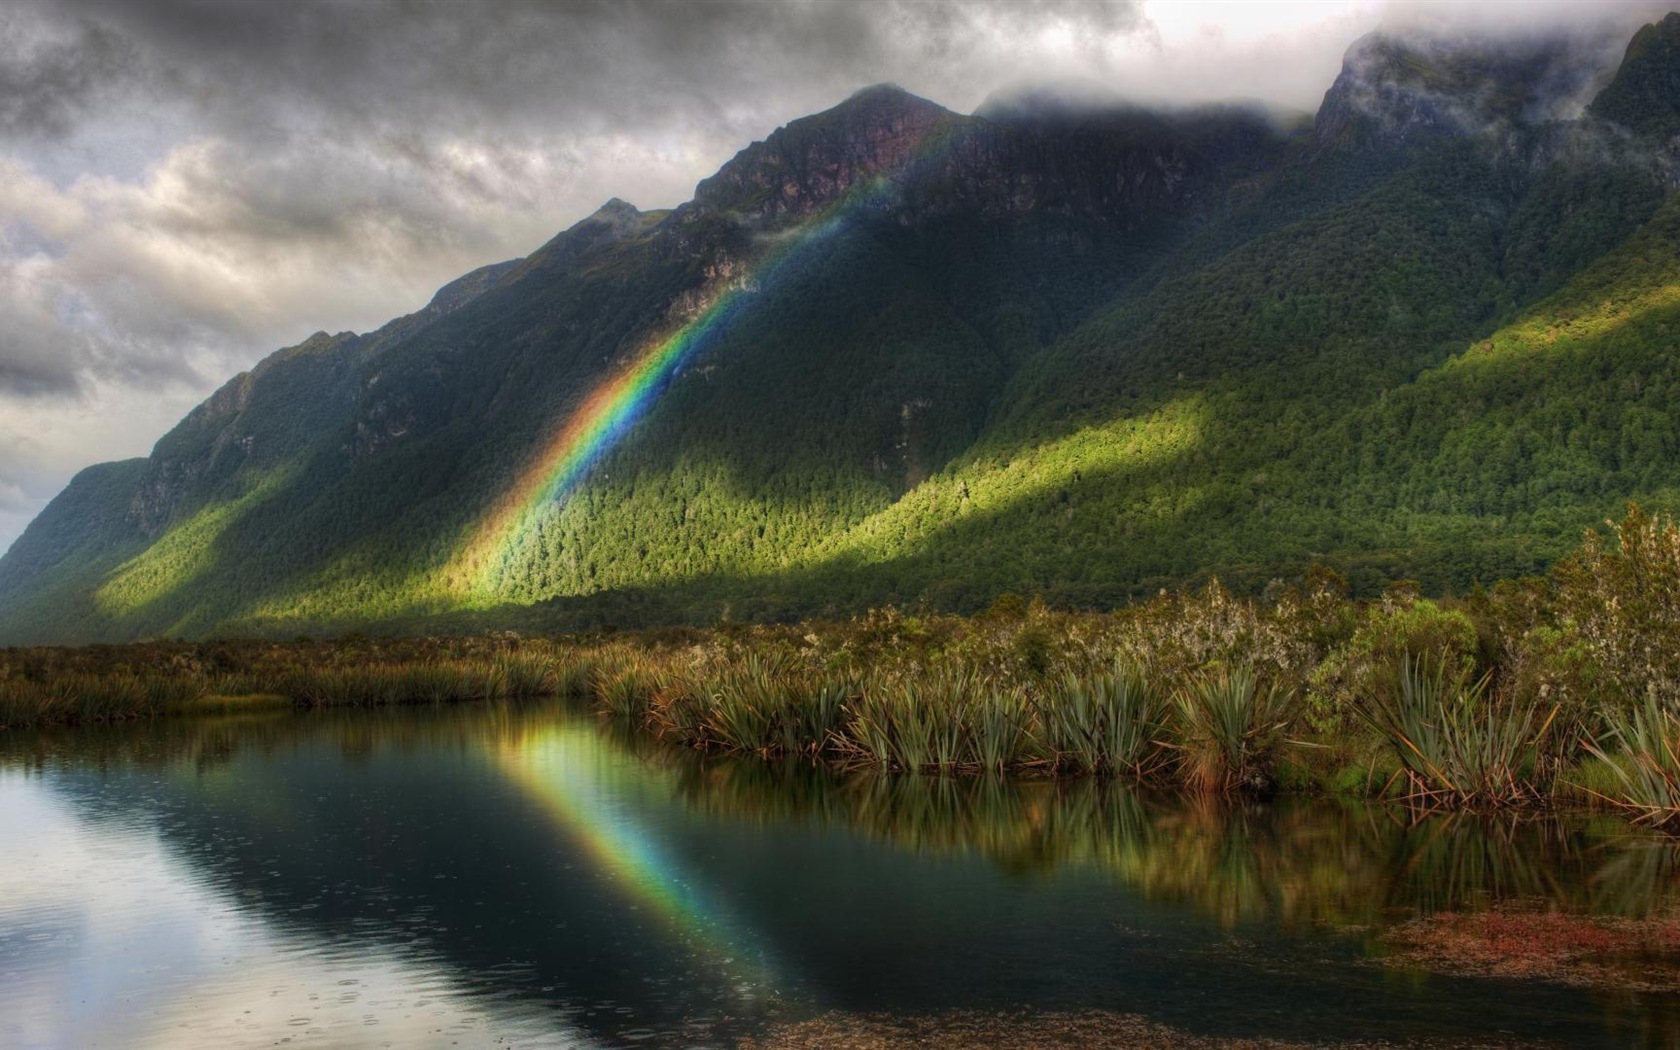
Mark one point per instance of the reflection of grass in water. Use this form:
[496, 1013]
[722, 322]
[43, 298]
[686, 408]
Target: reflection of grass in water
[212, 738]
[1340, 865]
[1458, 861]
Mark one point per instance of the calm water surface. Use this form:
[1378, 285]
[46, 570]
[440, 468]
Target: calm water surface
[527, 877]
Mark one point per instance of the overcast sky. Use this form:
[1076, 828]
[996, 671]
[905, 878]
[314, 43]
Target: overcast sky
[185, 187]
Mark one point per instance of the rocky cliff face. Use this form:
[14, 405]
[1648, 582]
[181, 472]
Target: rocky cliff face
[1125, 165]
[294, 396]
[812, 162]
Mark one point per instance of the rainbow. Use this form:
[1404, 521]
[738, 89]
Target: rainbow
[592, 429]
[572, 774]
[612, 408]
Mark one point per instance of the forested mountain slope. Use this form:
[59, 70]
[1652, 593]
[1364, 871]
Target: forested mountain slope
[896, 353]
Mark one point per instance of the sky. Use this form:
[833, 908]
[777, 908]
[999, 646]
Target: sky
[188, 186]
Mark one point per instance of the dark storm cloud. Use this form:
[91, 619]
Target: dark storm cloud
[262, 69]
[51, 74]
[288, 166]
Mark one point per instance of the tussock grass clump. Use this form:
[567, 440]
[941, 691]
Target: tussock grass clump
[1456, 743]
[1107, 722]
[1640, 749]
[947, 719]
[624, 682]
[1230, 728]
[767, 703]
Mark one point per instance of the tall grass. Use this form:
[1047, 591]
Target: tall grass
[1107, 722]
[624, 681]
[1230, 730]
[767, 704]
[82, 697]
[76, 696]
[947, 719]
[503, 677]
[1455, 742]
[1641, 747]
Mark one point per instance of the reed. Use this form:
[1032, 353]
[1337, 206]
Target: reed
[746, 706]
[502, 677]
[569, 675]
[1455, 743]
[83, 697]
[1230, 728]
[770, 703]
[21, 704]
[1002, 727]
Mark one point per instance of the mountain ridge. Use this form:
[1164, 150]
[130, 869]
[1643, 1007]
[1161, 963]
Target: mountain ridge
[911, 355]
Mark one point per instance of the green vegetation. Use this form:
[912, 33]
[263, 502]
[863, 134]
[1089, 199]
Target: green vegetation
[1231, 728]
[1513, 695]
[1641, 749]
[1454, 742]
[1107, 722]
[113, 683]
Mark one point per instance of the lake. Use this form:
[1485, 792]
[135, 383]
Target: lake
[529, 876]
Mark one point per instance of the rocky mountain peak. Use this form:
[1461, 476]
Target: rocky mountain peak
[1395, 89]
[1644, 95]
[808, 163]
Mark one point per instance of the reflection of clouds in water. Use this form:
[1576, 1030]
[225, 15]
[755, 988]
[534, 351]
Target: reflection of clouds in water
[105, 939]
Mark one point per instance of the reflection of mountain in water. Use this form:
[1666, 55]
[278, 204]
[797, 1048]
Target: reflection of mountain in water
[538, 857]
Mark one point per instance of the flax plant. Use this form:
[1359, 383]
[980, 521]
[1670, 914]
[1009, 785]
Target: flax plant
[1230, 727]
[944, 719]
[1111, 722]
[624, 682]
[1455, 743]
[1642, 749]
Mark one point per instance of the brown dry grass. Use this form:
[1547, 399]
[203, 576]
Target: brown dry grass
[1021, 1031]
[1586, 950]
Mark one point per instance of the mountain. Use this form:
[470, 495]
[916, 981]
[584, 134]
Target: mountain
[895, 353]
